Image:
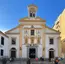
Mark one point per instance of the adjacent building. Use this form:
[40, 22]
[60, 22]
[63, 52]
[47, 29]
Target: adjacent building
[32, 38]
[60, 26]
[3, 45]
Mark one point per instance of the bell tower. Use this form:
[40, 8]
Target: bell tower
[32, 9]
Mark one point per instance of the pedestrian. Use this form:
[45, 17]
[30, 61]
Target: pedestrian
[36, 59]
[28, 61]
[11, 59]
[56, 61]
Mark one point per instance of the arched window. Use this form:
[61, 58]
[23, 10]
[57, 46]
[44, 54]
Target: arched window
[31, 14]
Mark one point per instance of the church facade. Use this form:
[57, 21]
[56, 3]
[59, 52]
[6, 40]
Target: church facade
[32, 38]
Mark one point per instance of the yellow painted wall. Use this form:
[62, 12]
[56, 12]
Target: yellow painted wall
[62, 29]
[62, 25]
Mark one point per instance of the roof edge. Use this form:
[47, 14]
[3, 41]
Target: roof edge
[11, 29]
[4, 34]
[53, 29]
[23, 19]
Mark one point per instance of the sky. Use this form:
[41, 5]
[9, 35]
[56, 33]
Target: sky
[11, 11]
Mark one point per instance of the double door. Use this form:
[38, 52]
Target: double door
[32, 53]
[51, 54]
[13, 54]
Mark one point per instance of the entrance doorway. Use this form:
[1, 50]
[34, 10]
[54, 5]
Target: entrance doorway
[13, 52]
[51, 53]
[32, 53]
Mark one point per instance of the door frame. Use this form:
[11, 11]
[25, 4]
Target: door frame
[14, 54]
[13, 49]
[32, 52]
[36, 48]
[50, 51]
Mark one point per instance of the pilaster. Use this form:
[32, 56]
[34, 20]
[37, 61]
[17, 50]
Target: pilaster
[43, 40]
[20, 41]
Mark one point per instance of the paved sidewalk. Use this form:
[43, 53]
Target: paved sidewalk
[24, 62]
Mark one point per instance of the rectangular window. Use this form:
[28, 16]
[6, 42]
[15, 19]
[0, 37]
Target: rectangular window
[13, 41]
[32, 32]
[2, 40]
[51, 41]
[57, 23]
[2, 52]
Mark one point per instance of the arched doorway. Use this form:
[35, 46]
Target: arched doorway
[51, 53]
[13, 52]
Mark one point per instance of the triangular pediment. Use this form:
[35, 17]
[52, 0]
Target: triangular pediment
[13, 30]
[51, 30]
